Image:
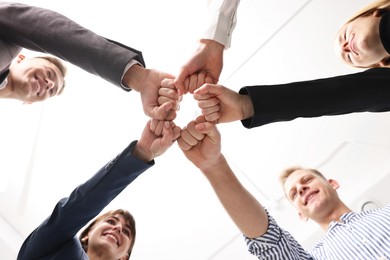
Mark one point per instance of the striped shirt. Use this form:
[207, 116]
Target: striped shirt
[363, 235]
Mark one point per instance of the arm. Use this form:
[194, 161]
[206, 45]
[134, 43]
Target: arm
[47, 31]
[366, 91]
[201, 144]
[88, 199]
[208, 58]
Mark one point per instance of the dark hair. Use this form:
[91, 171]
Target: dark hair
[128, 217]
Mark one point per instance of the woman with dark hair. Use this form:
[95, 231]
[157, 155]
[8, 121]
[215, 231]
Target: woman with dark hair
[110, 236]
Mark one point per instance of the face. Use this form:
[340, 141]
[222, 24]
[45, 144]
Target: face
[110, 237]
[34, 80]
[358, 42]
[310, 194]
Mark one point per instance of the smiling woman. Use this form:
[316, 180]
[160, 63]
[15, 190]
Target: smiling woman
[363, 41]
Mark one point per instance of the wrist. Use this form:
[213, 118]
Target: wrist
[212, 45]
[133, 77]
[141, 154]
[247, 107]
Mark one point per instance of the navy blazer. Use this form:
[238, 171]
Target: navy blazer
[43, 30]
[56, 238]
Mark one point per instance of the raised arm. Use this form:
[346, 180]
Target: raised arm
[220, 21]
[201, 144]
[87, 200]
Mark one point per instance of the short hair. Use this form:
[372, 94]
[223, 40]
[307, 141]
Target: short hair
[127, 216]
[290, 170]
[60, 65]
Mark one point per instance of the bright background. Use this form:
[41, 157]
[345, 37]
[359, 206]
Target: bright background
[48, 149]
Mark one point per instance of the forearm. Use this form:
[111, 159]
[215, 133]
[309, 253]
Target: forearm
[245, 211]
[44, 30]
[366, 91]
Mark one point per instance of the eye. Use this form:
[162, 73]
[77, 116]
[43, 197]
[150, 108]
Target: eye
[111, 221]
[126, 232]
[293, 195]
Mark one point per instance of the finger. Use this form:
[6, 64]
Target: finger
[168, 83]
[179, 81]
[167, 137]
[206, 103]
[153, 124]
[188, 138]
[161, 112]
[213, 117]
[210, 89]
[209, 79]
[193, 81]
[168, 92]
[171, 115]
[175, 103]
[183, 145]
[195, 133]
[210, 130]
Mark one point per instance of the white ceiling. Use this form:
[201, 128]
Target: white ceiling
[48, 149]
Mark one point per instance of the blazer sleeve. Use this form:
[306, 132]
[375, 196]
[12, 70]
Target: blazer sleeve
[84, 203]
[367, 91]
[43, 30]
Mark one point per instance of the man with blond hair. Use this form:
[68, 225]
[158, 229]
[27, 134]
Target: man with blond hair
[349, 235]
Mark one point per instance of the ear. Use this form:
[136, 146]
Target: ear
[385, 62]
[20, 58]
[335, 185]
[377, 13]
[303, 217]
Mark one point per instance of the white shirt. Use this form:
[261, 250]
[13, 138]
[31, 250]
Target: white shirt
[221, 20]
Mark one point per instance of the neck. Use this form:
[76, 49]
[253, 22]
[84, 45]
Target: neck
[332, 215]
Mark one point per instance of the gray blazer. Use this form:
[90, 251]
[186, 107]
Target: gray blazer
[39, 29]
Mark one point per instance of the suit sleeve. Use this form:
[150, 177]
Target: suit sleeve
[43, 30]
[84, 203]
[367, 91]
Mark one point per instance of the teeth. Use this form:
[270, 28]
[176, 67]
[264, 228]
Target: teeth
[113, 238]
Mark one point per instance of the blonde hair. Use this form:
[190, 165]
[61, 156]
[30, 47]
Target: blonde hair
[379, 5]
[287, 172]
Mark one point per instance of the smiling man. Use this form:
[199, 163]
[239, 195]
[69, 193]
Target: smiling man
[313, 196]
[33, 79]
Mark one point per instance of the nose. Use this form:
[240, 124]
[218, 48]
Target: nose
[302, 189]
[118, 228]
[345, 47]
[49, 83]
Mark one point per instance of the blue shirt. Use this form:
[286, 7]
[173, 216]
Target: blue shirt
[363, 235]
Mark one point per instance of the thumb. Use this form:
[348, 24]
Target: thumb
[208, 129]
[210, 89]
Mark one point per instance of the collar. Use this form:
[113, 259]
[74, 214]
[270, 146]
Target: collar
[384, 31]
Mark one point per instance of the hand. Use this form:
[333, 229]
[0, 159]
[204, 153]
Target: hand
[169, 93]
[147, 82]
[156, 138]
[220, 104]
[200, 142]
[204, 66]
